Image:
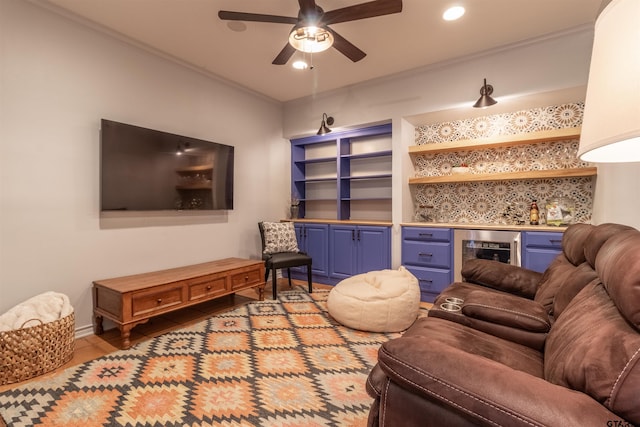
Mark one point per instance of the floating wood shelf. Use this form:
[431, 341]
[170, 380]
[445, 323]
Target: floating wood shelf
[504, 176]
[496, 142]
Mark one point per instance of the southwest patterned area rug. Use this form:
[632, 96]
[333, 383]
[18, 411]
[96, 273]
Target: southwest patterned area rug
[268, 363]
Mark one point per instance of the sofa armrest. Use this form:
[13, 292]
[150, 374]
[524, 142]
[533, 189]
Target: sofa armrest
[487, 392]
[504, 277]
[508, 310]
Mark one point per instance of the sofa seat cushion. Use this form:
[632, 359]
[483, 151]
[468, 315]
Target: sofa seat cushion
[507, 310]
[377, 301]
[591, 348]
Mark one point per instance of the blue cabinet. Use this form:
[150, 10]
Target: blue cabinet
[428, 254]
[356, 249]
[348, 172]
[314, 240]
[540, 248]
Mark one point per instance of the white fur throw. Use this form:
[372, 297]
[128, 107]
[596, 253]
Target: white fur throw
[45, 308]
[378, 301]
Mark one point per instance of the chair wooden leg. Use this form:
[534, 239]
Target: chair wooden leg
[289, 274]
[274, 280]
[309, 278]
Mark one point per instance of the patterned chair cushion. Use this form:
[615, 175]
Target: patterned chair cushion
[279, 237]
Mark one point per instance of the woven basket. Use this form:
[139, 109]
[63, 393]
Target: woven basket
[28, 352]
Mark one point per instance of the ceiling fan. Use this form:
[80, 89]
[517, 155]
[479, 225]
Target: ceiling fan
[311, 32]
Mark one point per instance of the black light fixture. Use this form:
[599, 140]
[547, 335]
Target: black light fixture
[324, 126]
[485, 99]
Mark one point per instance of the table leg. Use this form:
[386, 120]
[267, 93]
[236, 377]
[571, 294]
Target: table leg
[97, 327]
[125, 335]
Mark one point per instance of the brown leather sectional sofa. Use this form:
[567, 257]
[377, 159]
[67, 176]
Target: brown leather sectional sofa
[555, 349]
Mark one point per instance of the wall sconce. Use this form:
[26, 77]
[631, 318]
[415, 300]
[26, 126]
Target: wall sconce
[611, 121]
[485, 99]
[326, 120]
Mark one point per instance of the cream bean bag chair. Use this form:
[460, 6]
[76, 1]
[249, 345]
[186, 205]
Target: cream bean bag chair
[377, 301]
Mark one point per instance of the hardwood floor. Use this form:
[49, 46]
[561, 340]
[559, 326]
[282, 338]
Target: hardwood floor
[93, 346]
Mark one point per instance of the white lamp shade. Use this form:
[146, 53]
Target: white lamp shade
[611, 121]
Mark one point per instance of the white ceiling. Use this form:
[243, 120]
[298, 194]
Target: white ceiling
[191, 32]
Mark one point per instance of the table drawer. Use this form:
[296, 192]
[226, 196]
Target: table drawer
[207, 286]
[246, 278]
[426, 234]
[156, 299]
[426, 254]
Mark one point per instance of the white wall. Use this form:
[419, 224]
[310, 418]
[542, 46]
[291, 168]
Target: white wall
[532, 74]
[58, 79]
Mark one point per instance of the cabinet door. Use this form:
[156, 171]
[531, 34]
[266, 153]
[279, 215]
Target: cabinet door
[540, 248]
[342, 247]
[317, 247]
[313, 239]
[374, 248]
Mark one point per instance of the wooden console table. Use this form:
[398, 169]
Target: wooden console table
[131, 300]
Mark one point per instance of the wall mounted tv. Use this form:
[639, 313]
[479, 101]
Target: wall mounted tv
[150, 170]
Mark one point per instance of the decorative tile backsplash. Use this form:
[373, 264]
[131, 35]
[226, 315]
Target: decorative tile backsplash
[487, 202]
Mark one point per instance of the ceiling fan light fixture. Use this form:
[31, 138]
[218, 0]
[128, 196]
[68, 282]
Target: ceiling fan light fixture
[485, 99]
[310, 39]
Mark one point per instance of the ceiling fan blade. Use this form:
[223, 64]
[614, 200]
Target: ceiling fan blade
[362, 11]
[284, 55]
[345, 47]
[256, 17]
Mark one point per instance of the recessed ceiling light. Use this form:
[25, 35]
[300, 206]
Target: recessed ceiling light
[453, 13]
[300, 65]
[237, 26]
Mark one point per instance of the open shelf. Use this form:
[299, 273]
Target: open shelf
[496, 142]
[384, 153]
[365, 177]
[539, 174]
[354, 165]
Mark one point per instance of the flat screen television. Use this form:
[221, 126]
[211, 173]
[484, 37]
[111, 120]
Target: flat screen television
[150, 170]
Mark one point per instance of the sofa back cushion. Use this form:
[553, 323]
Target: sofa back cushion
[598, 236]
[618, 265]
[573, 283]
[594, 346]
[563, 266]
[592, 349]
[574, 240]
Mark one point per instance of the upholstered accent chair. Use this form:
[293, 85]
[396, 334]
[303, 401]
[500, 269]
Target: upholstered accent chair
[280, 250]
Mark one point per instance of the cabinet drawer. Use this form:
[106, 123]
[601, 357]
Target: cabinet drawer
[543, 239]
[156, 299]
[426, 254]
[431, 280]
[207, 286]
[245, 278]
[426, 234]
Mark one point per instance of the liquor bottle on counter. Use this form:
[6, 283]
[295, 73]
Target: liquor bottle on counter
[534, 213]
